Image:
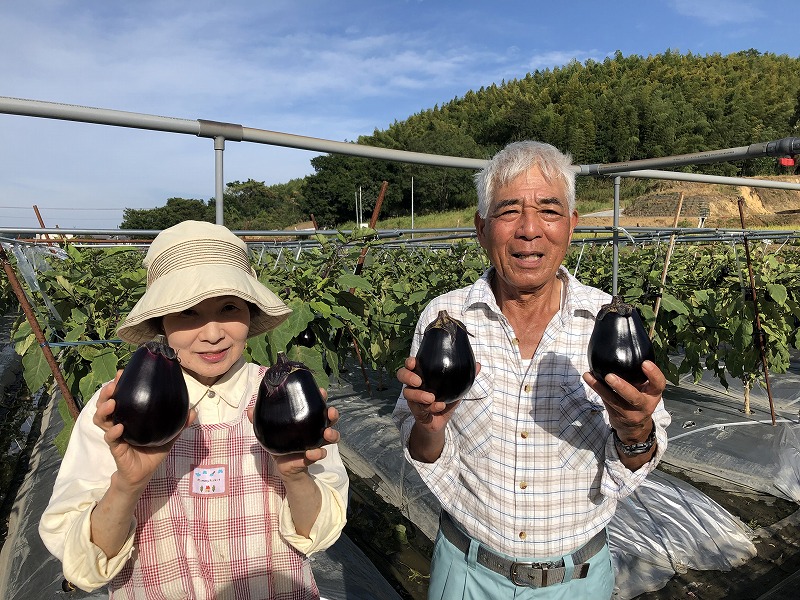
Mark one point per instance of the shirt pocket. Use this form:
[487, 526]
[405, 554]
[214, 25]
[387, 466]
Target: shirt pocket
[582, 430]
[472, 418]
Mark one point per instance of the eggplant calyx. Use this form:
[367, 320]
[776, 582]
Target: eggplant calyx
[159, 345]
[618, 306]
[447, 323]
[283, 367]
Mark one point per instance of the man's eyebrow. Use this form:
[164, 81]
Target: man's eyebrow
[549, 200]
[507, 202]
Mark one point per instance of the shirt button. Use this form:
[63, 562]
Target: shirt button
[528, 388]
[211, 393]
[524, 435]
[523, 485]
[522, 535]
[515, 341]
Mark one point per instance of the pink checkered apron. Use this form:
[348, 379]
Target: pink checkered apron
[206, 546]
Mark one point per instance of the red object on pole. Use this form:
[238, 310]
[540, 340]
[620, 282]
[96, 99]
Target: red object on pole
[786, 161]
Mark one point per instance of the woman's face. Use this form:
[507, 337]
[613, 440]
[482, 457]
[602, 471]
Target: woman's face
[209, 337]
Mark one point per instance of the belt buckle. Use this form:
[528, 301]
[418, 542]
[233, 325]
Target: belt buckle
[542, 566]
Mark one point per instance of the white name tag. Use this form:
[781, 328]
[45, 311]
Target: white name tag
[209, 480]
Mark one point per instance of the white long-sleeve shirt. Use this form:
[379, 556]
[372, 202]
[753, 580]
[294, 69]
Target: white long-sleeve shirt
[529, 466]
[87, 467]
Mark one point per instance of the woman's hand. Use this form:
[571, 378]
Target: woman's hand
[135, 464]
[111, 517]
[296, 464]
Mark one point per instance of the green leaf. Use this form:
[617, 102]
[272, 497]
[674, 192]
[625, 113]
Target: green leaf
[62, 439]
[75, 254]
[312, 358]
[88, 352]
[259, 353]
[75, 332]
[64, 283]
[36, 370]
[105, 364]
[78, 316]
[418, 296]
[25, 344]
[672, 304]
[90, 384]
[778, 293]
[351, 281]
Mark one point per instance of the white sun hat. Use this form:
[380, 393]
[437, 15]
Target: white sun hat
[191, 262]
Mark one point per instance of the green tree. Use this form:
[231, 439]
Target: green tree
[175, 211]
[624, 108]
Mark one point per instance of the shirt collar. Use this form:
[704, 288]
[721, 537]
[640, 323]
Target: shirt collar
[481, 292]
[223, 390]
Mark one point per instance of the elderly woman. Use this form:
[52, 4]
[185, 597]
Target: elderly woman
[128, 516]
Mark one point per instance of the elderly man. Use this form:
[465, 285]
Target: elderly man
[529, 464]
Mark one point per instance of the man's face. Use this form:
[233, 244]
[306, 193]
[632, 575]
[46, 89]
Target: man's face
[526, 233]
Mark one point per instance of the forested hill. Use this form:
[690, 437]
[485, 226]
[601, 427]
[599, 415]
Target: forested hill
[626, 107]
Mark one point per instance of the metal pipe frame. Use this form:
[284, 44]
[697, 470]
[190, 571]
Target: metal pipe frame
[221, 131]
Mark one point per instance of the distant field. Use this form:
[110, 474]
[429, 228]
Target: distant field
[460, 218]
[653, 204]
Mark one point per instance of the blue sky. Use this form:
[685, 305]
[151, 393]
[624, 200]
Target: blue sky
[326, 69]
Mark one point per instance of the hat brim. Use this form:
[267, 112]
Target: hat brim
[184, 288]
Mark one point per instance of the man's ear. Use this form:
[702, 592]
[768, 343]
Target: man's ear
[573, 222]
[480, 225]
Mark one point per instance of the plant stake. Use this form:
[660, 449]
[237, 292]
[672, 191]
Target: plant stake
[759, 332]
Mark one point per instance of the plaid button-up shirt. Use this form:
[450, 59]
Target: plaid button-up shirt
[529, 467]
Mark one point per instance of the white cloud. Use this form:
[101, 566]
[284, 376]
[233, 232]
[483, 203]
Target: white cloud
[548, 60]
[329, 70]
[719, 12]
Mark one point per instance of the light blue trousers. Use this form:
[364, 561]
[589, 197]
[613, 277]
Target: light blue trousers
[458, 577]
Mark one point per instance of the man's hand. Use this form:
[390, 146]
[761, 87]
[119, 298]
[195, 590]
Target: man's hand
[428, 412]
[630, 408]
[426, 441]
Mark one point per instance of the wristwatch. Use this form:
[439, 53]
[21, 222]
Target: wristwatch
[635, 449]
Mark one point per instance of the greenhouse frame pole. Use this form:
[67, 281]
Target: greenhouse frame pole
[232, 132]
[782, 147]
[219, 181]
[238, 133]
[615, 236]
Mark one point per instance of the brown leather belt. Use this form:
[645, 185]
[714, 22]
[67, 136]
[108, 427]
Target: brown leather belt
[530, 574]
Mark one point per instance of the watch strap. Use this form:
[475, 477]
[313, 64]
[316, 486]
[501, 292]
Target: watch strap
[638, 448]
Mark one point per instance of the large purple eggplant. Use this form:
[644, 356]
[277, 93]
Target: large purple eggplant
[445, 360]
[290, 414]
[619, 343]
[152, 401]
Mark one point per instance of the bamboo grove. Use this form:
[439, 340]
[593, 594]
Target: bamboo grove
[623, 108]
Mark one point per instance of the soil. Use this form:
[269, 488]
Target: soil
[776, 522]
[777, 540]
[716, 204]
